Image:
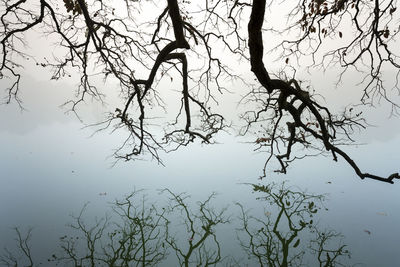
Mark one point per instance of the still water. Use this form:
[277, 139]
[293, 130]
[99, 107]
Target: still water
[50, 171]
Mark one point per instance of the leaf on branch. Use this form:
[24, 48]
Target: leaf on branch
[386, 33]
[73, 6]
[262, 140]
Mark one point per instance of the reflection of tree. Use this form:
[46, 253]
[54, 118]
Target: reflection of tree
[328, 254]
[199, 228]
[275, 239]
[134, 240]
[25, 255]
[143, 234]
[140, 241]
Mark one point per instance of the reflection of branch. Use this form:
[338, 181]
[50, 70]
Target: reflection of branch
[87, 253]
[23, 247]
[275, 239]
[202, 242]
[136, 238]
[142, 234]
[322, 247]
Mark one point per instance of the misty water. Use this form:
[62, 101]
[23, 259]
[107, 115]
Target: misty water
[51, 167]
[52, 171]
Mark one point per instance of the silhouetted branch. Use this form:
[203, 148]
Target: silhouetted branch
[284, 101]
[181, 40]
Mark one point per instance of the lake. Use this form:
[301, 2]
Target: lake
[50, 171]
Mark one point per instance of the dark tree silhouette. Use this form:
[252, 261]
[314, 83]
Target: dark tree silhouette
[141, 44]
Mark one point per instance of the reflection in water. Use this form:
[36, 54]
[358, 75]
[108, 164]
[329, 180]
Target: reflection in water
[287, 233]
[140, 233]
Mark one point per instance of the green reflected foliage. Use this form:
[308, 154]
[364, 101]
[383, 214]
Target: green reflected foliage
[286, 234]
[137, 232]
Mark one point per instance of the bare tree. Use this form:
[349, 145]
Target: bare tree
[23, 256]
[134, 238]
[201, 247]
[82, 250]
[184, 40]
[282, 236]
[327, 249]
[142, 240]
[188, 234]
[294, 117]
